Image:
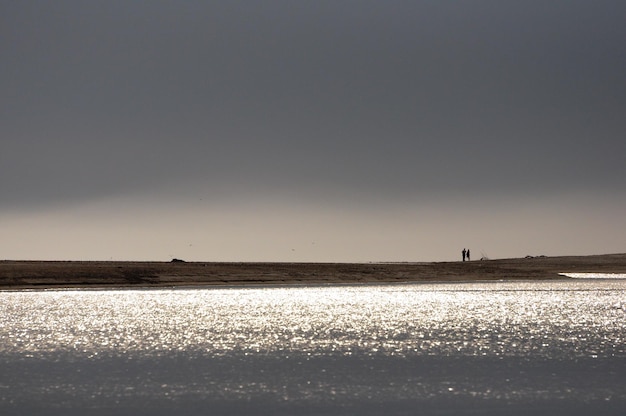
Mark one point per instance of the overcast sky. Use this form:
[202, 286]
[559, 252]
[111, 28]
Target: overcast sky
[311, 130]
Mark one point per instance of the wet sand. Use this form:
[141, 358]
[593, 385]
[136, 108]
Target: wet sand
[95, 274]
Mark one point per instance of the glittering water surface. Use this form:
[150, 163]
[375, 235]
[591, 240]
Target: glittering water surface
[440, 348]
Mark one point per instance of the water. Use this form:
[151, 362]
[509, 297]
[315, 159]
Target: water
[595, 275]
[465, 348]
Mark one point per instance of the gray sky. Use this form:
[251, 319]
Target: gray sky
[311, 131]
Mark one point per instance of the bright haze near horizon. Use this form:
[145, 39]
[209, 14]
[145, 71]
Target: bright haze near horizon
[311, 131]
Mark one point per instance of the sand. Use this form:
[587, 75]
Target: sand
[95, 274]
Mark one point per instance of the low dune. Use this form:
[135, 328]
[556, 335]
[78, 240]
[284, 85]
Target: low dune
[79, 274]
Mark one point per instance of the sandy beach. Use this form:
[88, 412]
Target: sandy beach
[86, 274]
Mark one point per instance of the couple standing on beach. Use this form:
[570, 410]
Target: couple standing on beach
[466, 254]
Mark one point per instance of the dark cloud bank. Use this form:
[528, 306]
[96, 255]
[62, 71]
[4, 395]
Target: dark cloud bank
[388, 100]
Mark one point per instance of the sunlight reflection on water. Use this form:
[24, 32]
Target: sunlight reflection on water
[251, 337]
[595, 275]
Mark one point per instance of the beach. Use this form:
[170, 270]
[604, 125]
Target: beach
[152, 338]
[101, 274]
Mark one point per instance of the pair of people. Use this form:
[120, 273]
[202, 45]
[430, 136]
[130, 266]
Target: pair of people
[466, 254]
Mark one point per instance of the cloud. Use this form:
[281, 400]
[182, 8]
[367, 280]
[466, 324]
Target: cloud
[352, 103]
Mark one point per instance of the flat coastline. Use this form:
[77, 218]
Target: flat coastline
[110, 274]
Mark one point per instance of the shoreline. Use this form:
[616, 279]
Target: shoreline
[17, 275]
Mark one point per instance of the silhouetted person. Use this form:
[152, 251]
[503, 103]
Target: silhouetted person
[464, 252]
[467, 254]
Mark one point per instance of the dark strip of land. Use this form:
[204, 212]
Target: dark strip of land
[95, 274]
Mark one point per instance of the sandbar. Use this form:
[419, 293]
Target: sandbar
[15, 275]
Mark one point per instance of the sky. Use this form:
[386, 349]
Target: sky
[322, 131]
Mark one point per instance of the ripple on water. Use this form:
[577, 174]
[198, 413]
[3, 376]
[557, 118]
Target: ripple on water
[515, 319]
[440, 348]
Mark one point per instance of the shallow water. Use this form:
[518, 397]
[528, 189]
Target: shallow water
[464, 348]
[595, 275]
